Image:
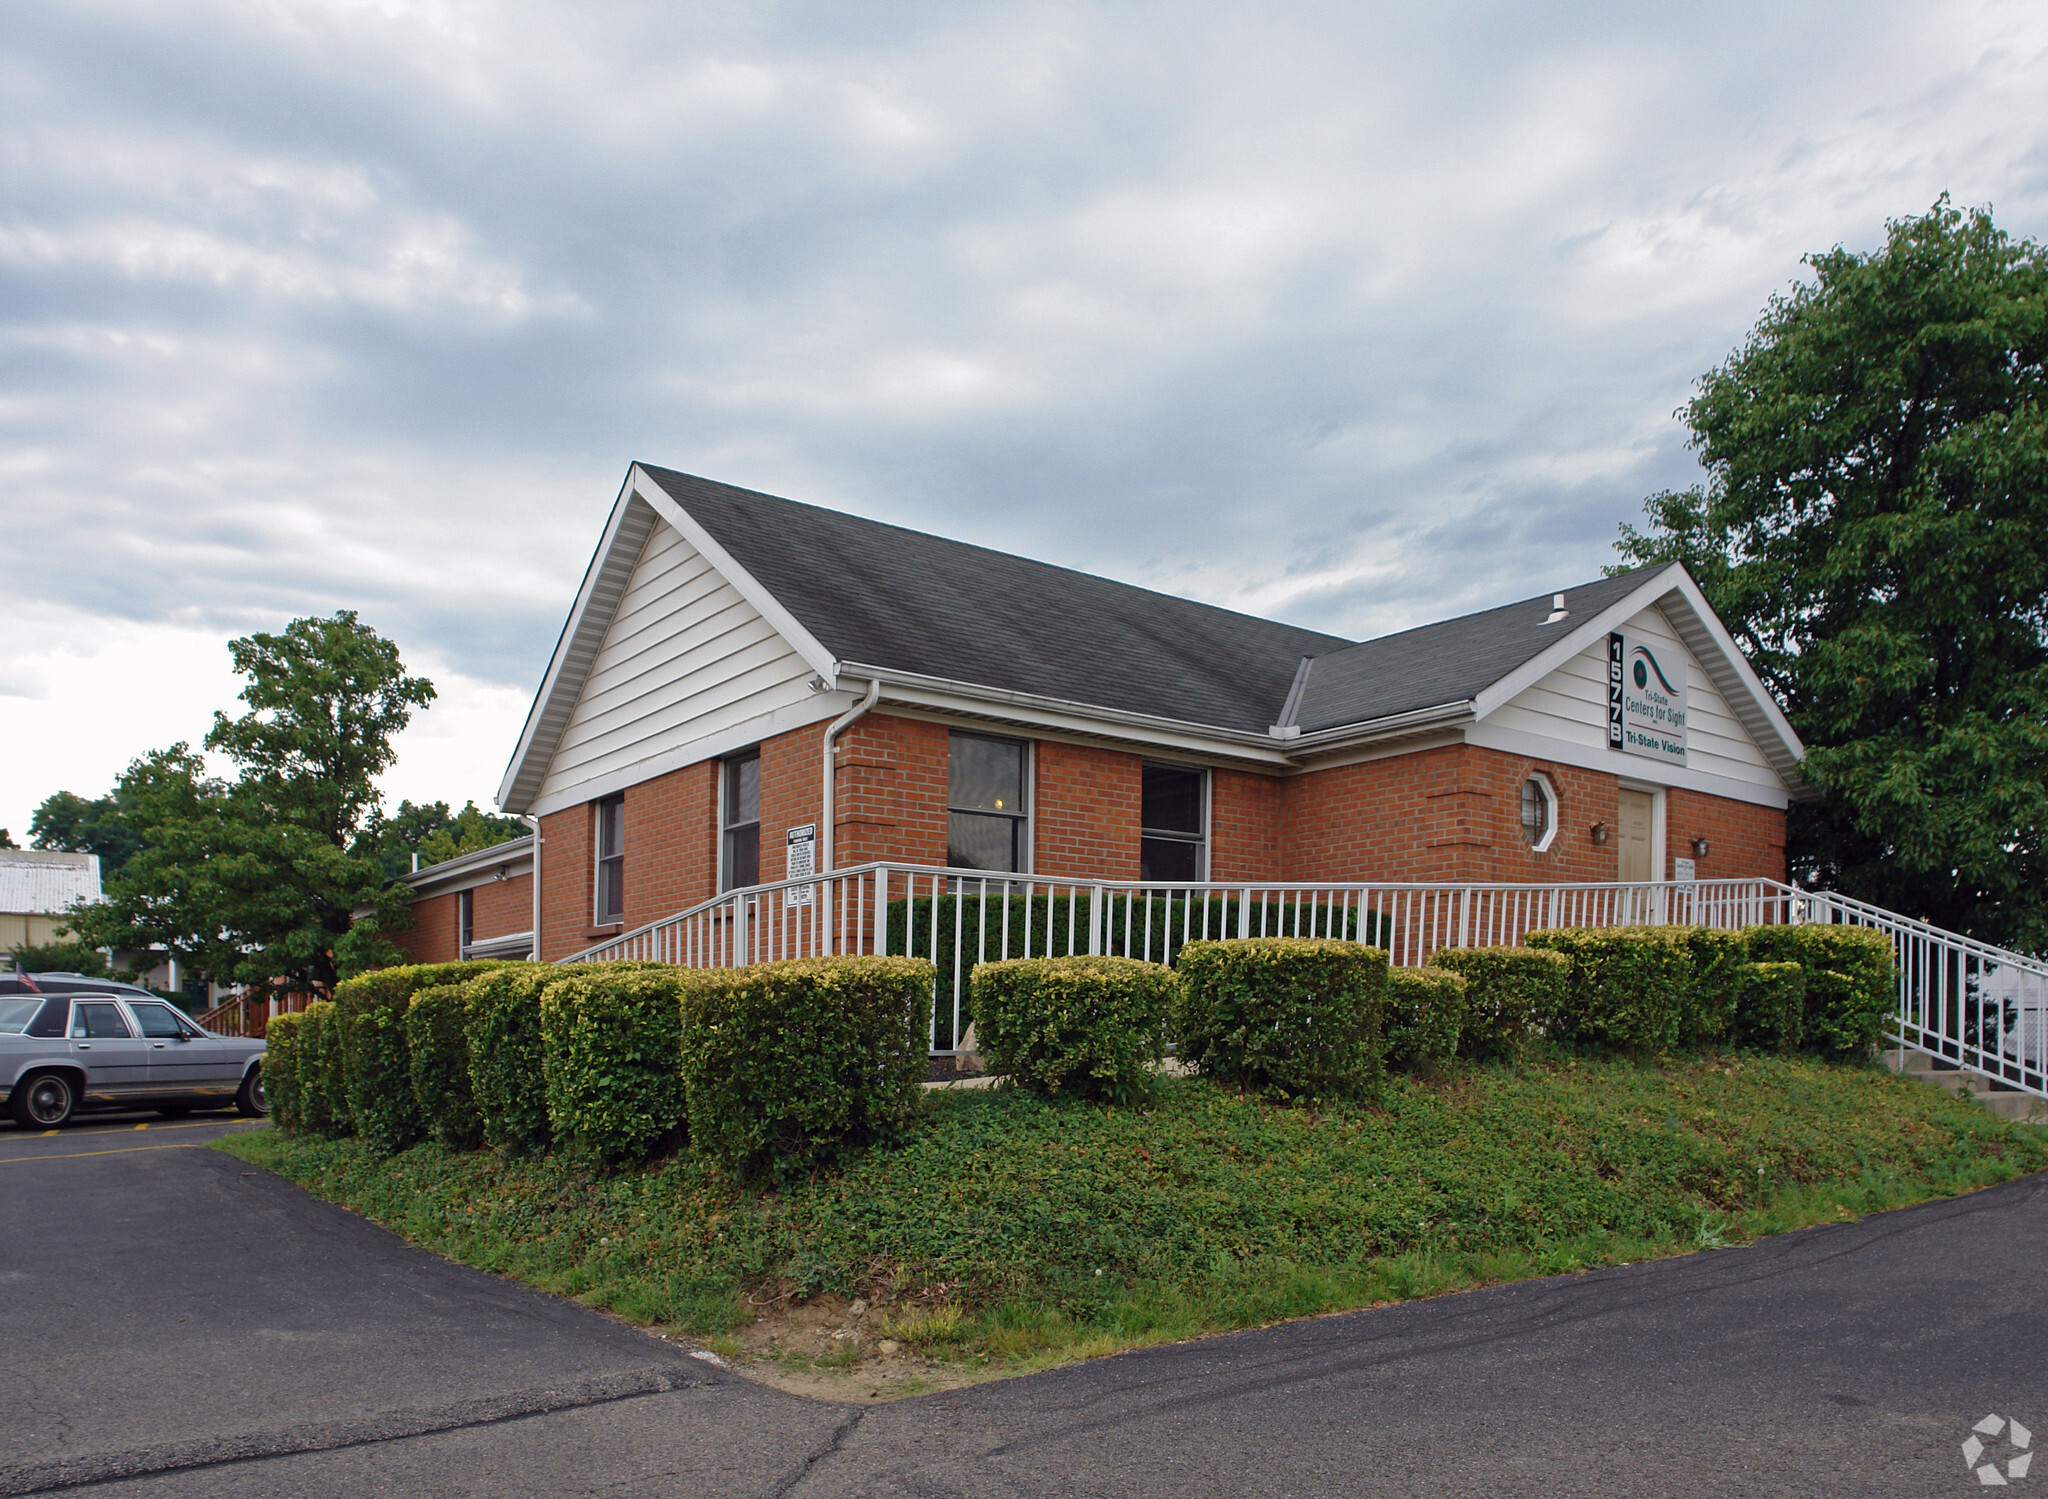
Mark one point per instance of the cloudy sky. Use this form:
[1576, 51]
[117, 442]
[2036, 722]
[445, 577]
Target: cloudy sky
[1357, 315]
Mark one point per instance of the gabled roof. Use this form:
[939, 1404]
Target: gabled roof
[900, 600]
[861, 599]
[1452, 661]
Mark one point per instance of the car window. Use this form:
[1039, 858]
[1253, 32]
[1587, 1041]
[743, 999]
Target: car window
[49, 1026]
[98, 1021]
[15, 1014]
[157, 1020]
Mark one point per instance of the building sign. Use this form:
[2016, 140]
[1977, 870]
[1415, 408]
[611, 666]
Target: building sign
[801, 863]
[1645, 698]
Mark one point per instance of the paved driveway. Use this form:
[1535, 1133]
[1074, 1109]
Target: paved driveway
[177, 1323]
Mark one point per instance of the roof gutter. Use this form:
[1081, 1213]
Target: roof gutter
[838, 726]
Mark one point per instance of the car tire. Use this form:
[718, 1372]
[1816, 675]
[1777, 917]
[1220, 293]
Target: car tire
[174, 1110]
[43, 1100]
[252, 1101]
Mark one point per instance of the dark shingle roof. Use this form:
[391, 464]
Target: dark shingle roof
[1451, 662]
[899, 599]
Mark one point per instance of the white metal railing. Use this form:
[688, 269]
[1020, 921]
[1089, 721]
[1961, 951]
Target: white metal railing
[1981, 1007]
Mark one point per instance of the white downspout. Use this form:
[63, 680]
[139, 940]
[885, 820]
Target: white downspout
[534, 823]
[839, 726]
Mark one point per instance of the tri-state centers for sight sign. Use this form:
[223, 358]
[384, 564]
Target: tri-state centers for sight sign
[1645, 697]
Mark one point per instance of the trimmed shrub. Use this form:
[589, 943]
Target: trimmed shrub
[1718, 959]
[1770, 1005]
[1851, 986]
[1511, 993]
[371, 1007]
[1093, 1026]
[1291, 1017]
[612, 1038]
[323, 1078]
[787, 1065]
[1153, 928]
[1628, 985]
[438, 1048]
[507, 1060]
[1425, 1014]
[281, 1070]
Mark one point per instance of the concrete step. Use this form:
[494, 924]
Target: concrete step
[2007, 1104]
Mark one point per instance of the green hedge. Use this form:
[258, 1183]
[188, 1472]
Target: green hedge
[788, 1064]
[1292, 1017]
[1425, 1015]
[1851, 986]
[1770, 1005]
[281, 1071]
[1511, 994]
[507, 1061]
[1710, 1002]
[1092, 1026]
[439, 1051]
[371, 1008]
[1628, 987]
[917, 922]
[323, 1074]
[613, 1063]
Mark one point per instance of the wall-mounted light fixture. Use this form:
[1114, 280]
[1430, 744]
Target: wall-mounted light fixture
[1599, 831]
[1699, 848]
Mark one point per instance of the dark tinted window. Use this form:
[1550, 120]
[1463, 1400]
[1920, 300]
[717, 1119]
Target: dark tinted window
[98, 1021]
[985, 827]
[49, 1023]
[158, 1020]
[611, 860]
[740, 821]
[1170, 824]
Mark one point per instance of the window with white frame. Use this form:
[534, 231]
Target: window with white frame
[739, 821]
[609, 837]
[1173, 841]
[465, 922]
[987, 824]
[1539, 812]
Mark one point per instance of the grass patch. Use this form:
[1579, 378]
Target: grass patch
[1010, 1232]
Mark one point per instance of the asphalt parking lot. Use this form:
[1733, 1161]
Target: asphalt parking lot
[178, 1323]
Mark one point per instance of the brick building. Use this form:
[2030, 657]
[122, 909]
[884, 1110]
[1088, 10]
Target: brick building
[991, 712]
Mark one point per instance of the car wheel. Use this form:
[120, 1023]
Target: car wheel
[252, 1100]
[43, 1101]
[174, 1110]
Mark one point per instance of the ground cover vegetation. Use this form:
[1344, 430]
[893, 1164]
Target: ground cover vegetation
[1870, 531]
[709, 1149]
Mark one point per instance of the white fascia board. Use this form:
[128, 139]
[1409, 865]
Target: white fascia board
[479, 867]
[1638, 768]
[744, 583]
[1379, 730]
[569, 665]
[1704, 635]
[1029, 710]
[816, 709]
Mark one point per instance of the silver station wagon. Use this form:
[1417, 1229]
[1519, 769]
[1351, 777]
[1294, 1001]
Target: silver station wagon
[115, 1047]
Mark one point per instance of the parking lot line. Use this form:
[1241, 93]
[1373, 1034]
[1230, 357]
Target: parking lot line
[72, 1155]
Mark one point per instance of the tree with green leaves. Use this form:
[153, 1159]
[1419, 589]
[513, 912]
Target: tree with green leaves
[1874, 531]
[435, 833]
[76, 825]
[260, 879]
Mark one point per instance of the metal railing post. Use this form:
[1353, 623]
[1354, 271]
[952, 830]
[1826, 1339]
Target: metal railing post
[1095, 921]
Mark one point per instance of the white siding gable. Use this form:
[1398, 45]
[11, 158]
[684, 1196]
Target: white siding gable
[1567, 711]
[688, 669]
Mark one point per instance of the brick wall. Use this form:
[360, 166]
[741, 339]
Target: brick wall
[1747, 842]
[1454, 814]
[671, 828]
[1244, 825]
[890, 802]
[502, 907]
[432, 938]
[565, 881]
[1086, 817]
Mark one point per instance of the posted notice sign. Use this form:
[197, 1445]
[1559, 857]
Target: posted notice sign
[801, 864]
[1645, 697]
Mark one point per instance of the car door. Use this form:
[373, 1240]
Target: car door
[184, 1062]
[116, 1060]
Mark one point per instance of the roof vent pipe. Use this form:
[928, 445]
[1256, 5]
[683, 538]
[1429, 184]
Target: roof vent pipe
[1557, 609]
[839, 725]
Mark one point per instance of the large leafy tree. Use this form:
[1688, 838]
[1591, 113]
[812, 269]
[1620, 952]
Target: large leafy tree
[433, 833]
[261, 879]
[73, 823]
[1874, 530]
